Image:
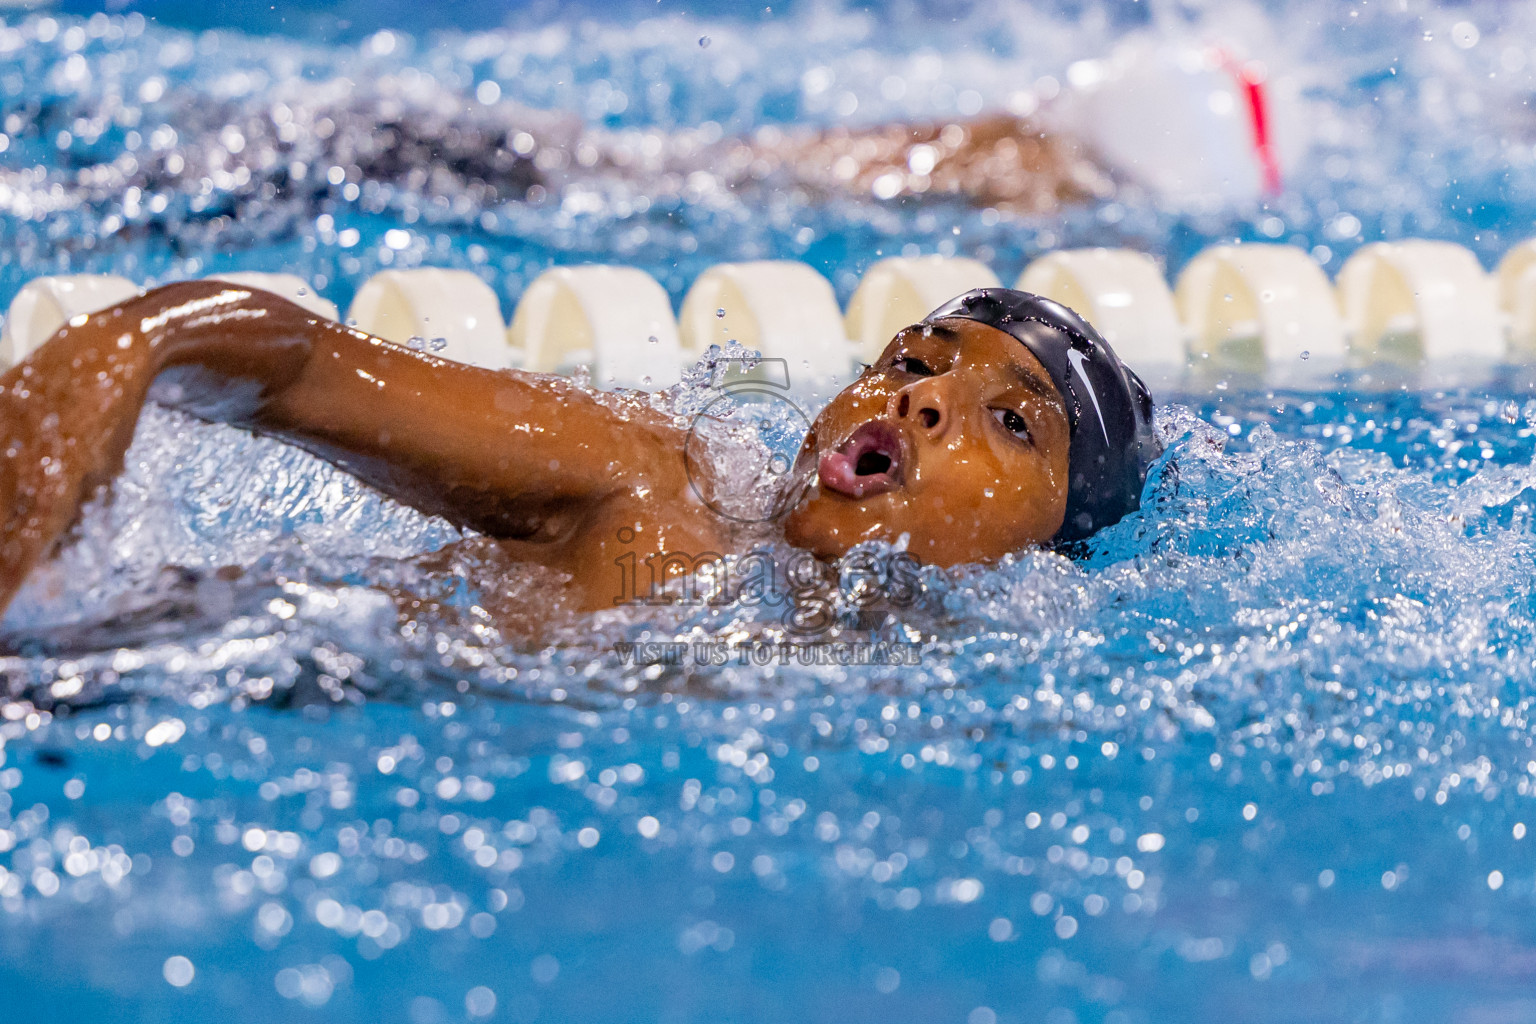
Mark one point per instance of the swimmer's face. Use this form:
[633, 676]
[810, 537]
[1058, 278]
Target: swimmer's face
[955, 437]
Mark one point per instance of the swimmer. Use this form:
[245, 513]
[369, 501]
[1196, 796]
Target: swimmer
[510, 153]
[1002, 421]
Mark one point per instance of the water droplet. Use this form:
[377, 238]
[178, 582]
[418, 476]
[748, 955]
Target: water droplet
[178, 970]
[1306, 354]
[720, 313]
[654, 340]
[703, 42]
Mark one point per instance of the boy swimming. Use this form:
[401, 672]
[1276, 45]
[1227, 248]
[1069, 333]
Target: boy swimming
[999, 422]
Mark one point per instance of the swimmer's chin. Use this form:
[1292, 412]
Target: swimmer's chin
[829, 524]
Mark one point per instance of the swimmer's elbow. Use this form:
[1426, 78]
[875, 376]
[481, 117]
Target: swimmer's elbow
[222, 353]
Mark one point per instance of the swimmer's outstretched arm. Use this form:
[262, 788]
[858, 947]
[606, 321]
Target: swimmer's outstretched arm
[513, 455]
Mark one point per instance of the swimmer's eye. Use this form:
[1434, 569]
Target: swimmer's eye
[1012, 422]
[912, 365]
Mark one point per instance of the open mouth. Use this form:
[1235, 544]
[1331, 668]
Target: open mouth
[869, 462]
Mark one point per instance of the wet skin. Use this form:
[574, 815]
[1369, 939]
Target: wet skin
[955, 438]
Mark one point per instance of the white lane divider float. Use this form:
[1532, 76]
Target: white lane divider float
[288, 286]
[432, 303]
[1123, 294]
[45, 304]
[781, 308]
[1517, 297]
[899, 291]
[1418, 301]
[1256, 304]
[1261, 307]
[616, 320]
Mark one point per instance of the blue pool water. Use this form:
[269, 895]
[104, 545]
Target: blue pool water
[1264, 755]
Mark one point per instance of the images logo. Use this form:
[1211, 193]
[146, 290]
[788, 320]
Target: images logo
[752, 397]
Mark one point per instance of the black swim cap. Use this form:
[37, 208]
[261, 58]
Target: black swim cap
[1108, 407]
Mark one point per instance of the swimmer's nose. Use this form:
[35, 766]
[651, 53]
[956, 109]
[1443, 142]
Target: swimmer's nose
[923, 404]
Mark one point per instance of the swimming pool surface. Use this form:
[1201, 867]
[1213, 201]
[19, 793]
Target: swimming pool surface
[1264, 755]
